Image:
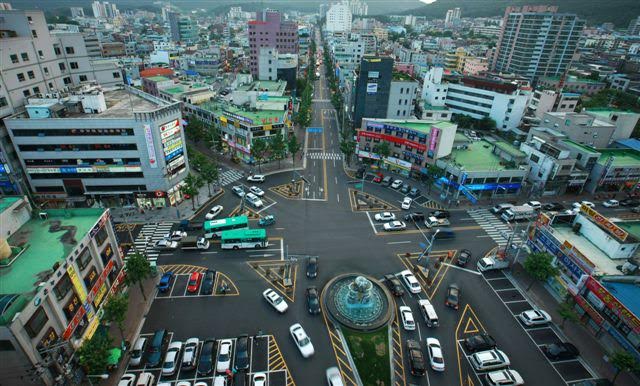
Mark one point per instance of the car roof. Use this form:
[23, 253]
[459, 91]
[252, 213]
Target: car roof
[139, 343]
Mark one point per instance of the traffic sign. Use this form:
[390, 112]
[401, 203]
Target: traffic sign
[314, 129]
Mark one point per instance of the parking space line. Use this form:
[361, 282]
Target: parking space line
[514, 301]
[462, 268]
[504, 289]
[371, 222]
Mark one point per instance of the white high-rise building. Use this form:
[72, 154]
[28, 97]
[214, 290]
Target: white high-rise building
[77, 12]
[98, 10]
[359, 8]
[236, 13]
[452, 17]
[339, 18]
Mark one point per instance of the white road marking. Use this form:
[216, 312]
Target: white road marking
[281, 250]
[504, 289]
[209, 253]
[314, 178]
[336, 178]
[267, 207]
[272, 250]
[338, 196]
[371, 222]
[263, 255]
[334, 161]
[399, 242]
[516, 301]
[462, 269]
[467, 219]
[483, 236]
[279, 229]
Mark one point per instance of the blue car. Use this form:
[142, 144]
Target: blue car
[267, 220]
[165, 282]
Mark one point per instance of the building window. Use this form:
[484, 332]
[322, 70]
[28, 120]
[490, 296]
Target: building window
[56, 50]
[6, 345]
[46, 70]
[91, 277]
[62, 66]
[41, 54]
[116, 75]
[83, 78]
[31, 74]
[67, 80]
[398, 113]
[14, 58]
[36, 90]
[101, 236]
[3, 102]
[36, 323]
[21, 77]
[69, 50]
[73, 65]
[62, 288]
[72, 306]
[25, 57]
[34, 33]
[84, 259]
[26, 93]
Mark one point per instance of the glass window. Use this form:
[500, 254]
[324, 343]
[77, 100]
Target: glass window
[21, 77]
[24, 56]
[101, 236]
[72, 306]
[14, 58]
[84, 259]
[31, 74]
[73, 65]
[62, 288]
[36, 323]
[69, 50]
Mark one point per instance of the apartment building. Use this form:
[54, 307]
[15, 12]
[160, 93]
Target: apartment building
[583, 128]
[271, 30]
[339, 18]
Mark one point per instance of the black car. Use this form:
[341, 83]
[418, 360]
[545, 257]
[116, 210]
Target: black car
[453, 297]
[416, 358]
[207, 282]
[394, 285]
[405, 188]
[205, 365]
[630, 202]
[360, 172]
[312, 267]
[440, 214]
[553, 206]
[415, 217]
[561, 351]
[313, 301]
[242, 352]
[479, 342]
[463, 258]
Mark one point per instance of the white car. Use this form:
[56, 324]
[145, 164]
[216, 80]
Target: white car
[219, 380]
[577, 205]
[411, 282]
[534, 317]
[190, 353]
[223, 362]
[256, 178]
[137, 351]
[127, 380]
[259, 379]
[175, 235]
[238, 190]
[394, 226]
[503, 378]
[165, 244]
[257, 191]
[301, 340]
[436, 359]
[571, 212]
[253, 200]
[490, 359]
[611, 203]
[333, 377]
[385, 216]
[406, 315]
[396, 184]
[275, 300]
[213, 212]
[171, 358]
[406, 203]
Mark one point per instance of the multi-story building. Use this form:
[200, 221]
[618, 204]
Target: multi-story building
[474, 65]
[572, 84]
[402, 96]
[113, 146]
[624, 121]
[270, 30]
[504, 102]
[359, 7]
[634, 26]
[339, 18]
[65, 264]
[452, 17]
[273, 66]
[537, 41]
[413, 144]
[583, 128]
[372, 88]
[76, 12]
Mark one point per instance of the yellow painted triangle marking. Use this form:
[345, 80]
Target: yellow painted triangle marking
[471, 327]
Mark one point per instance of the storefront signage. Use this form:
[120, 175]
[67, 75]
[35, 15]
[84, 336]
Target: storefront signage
[177, 162]
[373, 74]
[491, 186]
[621, 339]
[93, 327]
[578, 257]
[169, 126]
[103, 220]
[372, 88]
[595, 316]
[550, 244]
[374, 125]
[394, 139]
[238, 118]
[239, 147]
[170, 132]
[173, 154]
[398, 162]
[366, 154]
[100, 295]
[77, 283]
[604, 222]
[614, 304]
[433, 141]
[85, 169]
[48, 338]
[172, 145]
[151, 150]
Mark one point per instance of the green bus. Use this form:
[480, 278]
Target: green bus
[216, 227]
[244, 238]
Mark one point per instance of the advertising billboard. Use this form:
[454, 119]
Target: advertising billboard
[372, 88]
[151, 149]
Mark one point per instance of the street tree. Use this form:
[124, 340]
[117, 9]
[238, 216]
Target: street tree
[190, 187]
[623, 361]
[209, 174]
[567, 312]
[138, 270]
[539, 266]
[195, 129]
[258, 151]
[115, 311]
[93, 354]
[278, 148]
[383, 149]
[348, 148]
[294, 147]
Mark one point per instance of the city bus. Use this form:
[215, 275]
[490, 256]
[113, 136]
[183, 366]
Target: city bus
[214, 228]
[244, 238]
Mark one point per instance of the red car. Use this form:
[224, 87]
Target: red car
[378, 178]
[194, 282]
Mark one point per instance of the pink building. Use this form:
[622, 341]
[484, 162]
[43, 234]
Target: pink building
[269, 30]
[407, 68]
[474, 66]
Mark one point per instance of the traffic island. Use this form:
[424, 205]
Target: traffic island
[281, 275]
[363, 202]
[291, 191]
[370, 353]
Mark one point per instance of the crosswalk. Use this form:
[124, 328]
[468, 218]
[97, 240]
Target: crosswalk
[334, 156]
[229, 176]
[149, 234]
[495, 228]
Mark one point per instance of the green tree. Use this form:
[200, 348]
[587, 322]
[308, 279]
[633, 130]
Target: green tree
[294, 147]
[195, 129]
[138, 269]
[191, 188]
[539, 266]
[115, 311]
[383, 149]
[348, 148]
[485, 123]
[567, 312]
[623, 361]
[209, 174]
[93, 354]
[278, 148]
[258, 151]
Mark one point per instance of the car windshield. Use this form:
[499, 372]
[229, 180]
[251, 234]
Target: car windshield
[224, 357]
[304, 341]
[192, 282]
[276, 300]
[168, 365]
[438, 360]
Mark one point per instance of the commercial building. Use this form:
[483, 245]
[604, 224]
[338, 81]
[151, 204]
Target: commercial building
[339, 18]
[537, 41]
[116, 146]
[59, 267]
[624, 121]
[182, 28]
[273, 66]
[76, 12]
[634, 26]
[474, 65]
[271, 31]
[402, 96]
[572, 84]
[372, 88]
[504, 102]
[413, 144]
[583, 128]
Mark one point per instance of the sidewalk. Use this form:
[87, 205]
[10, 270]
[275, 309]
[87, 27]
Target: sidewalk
[136, 313]
[590, 348]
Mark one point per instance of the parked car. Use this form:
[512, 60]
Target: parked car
[414, 192]
[165, 245]
[436, 358]
[242, 353]
[333, 377]
[378, 178]
[577, 205]
[453, 297]
[416, 359]
[253, 200]
[276, 301]
[238, 190]
[611, 203]
[207, 282]
[257, 191]
[630, 202]
[156, 345]
[408, 322]
[223, 362]
[534, 204]
[411, 282]
[394, 285]
[394, 226]
[361, 172]
[175, 235]
[554, 206]
[127, 380]
[440, 214]
[190, 353]
[498, 209]
[165, 281]
[194, 282]
[405, 188]
[139, 347]
[301, 339]
[313, 301]
[171, 358]
[534, 317]
[463, 258]
[205, 362]
[213, 212]
[387, 181]
[636, 209]
[312, 267]
[406, 203]
[489, 360]
[561, 351]
[415, 217]
[256, 178]
[479, 342]
[384, 216]
[396, 184]
[259, 379]
[503, 378]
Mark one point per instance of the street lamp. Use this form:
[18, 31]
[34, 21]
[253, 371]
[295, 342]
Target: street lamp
[429, 247]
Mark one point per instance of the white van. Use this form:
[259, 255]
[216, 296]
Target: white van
[253, 200]
[428, 313]
[537, 205]
[146, 379]
[501, 208]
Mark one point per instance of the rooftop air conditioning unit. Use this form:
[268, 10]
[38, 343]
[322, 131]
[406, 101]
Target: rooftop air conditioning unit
[43, 215]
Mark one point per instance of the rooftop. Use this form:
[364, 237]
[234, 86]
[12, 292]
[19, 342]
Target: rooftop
[421, 126]
[604, 265]
[256, 117]
[622, 157]
[510, 149]
[45, 242]
[428, 107]
[264, 85]
[626, 293]
[158, 78]
[579, 147]
[633, 227]
[605, 113]
[478, 157]
[401, 76]
[6, 202]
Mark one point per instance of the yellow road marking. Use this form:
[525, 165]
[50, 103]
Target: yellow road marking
[333, 338]
[470, 327]
[220, 276]
[278, 286]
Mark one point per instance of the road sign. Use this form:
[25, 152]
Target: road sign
[314, 129]
[357, 186]
[423, 245]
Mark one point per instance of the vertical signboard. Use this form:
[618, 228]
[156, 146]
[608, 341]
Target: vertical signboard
[433, 141]
[151, 149]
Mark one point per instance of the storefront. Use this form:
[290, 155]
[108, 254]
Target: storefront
[396, 165]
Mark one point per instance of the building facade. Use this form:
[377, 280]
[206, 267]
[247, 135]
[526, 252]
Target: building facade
[372, 88]
[269, 30]
[339, 18]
